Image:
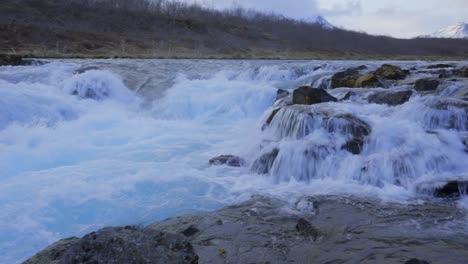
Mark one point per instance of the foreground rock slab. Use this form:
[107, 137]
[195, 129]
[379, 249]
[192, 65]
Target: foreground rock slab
[320, 229]
[120, 245]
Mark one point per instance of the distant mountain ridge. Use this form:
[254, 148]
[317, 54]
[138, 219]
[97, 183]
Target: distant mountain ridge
[459, 30]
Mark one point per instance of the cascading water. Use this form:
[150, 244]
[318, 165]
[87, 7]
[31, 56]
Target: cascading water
[128, 142]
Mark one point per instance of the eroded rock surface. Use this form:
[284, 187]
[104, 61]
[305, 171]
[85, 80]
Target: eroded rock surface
[120, 245]
[332, 230]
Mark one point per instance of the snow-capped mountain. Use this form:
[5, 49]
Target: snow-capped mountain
[459, 30]
[323, 22]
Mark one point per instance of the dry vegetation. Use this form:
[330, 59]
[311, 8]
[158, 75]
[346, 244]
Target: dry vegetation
[162, 28]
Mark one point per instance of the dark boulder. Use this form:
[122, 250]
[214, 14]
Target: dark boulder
[390, 98]
[426, 84]
[362, 67]
[346, 78]
[307, 95]
[120, 245]
[229, 160]
[263, 164]
[439, 66]
[452, 189]
[391, 72]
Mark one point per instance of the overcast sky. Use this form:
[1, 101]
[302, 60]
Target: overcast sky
[399, 18]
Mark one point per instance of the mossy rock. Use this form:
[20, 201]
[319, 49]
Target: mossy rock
[391, 72]
[367, 80]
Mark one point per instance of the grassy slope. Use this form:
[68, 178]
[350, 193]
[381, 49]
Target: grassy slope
[50, 28]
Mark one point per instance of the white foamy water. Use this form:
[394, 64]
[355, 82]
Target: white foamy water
[137, 151]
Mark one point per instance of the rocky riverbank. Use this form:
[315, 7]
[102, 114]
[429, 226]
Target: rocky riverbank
[321, 229]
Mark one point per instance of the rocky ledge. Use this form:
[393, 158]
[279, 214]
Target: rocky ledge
[321, 229]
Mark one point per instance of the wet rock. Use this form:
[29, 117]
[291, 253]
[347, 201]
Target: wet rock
[390, 98]
[362, 67]
[426, 84]
[443, 74]
[229, 160]
[281, 94]
[263, 230]
[452, 189]
[346, 78]
[305, 228]
[270, 118]
[347, 96]
[190, 231]
[416, 261]
[348, 124]
[461, 72]
[120, 245]
[439, 66]
[367, 80]
[263, 164]
[354, 146]
[356, 128]
[391, 72]
[307, 95]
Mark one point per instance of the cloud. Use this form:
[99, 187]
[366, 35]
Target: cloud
[385, 11]
[348, 8]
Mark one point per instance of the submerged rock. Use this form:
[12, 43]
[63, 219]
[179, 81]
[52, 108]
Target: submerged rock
[307, 95]
[263, 164]
[229, 160]
[85, 69]
[120, 245]
[391, 72]
[390, 98]
[281, 94]
[354, 146]
[428, 84]
[346, 78]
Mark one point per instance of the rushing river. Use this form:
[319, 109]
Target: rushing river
[138, 151]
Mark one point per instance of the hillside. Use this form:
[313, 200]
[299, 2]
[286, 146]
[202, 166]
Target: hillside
[107, 28]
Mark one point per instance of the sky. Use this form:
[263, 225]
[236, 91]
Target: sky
[398, 18]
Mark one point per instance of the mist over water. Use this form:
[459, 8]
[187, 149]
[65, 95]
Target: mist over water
[137, 151]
